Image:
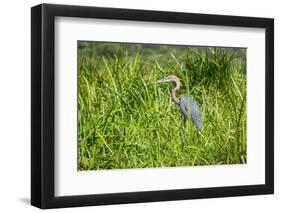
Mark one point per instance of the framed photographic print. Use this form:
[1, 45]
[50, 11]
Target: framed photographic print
[139, 106]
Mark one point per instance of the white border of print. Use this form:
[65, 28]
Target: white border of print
[68, 181]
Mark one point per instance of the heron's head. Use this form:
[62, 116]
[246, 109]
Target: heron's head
[170, 78]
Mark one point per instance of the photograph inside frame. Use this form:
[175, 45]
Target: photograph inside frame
[156, 105]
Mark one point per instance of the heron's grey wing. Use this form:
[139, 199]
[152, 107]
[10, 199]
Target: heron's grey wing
[194, 109]
[195, 114]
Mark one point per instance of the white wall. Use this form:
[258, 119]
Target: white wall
[15, 105]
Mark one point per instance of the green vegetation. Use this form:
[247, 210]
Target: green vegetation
[126, 120]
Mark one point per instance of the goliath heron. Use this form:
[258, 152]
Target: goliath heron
[185, 103]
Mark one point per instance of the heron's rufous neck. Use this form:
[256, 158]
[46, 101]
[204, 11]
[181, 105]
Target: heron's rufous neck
[173, 92]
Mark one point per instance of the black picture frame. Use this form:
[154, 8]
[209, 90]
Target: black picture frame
[43, 102]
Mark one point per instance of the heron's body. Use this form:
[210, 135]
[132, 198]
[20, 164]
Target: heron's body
[188, 106]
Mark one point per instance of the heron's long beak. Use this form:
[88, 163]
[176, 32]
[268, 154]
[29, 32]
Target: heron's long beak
[163, 80]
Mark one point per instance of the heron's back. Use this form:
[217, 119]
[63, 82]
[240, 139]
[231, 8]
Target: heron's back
[187, 103]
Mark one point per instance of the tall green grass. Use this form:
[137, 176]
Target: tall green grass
[126, 120]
